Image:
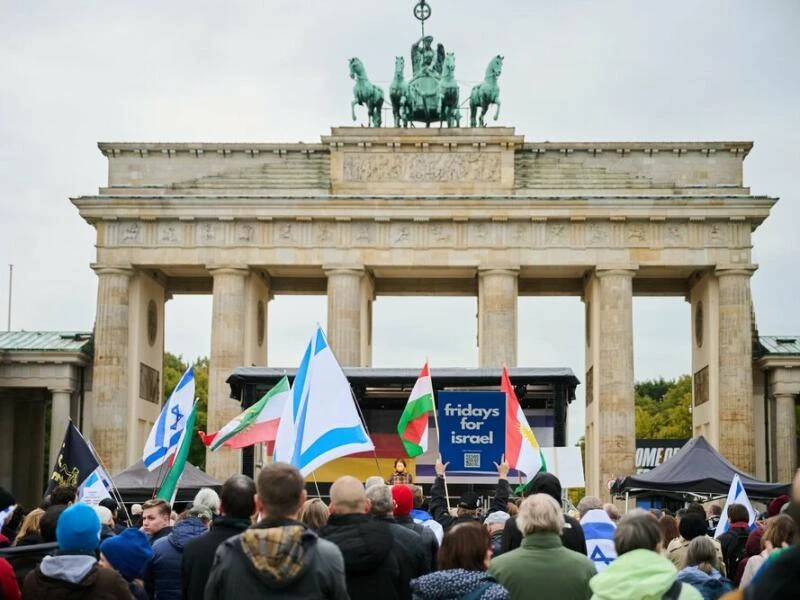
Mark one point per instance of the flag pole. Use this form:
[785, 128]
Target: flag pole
[114, 491]
[364, 423]
[316, 485]
[438, 436]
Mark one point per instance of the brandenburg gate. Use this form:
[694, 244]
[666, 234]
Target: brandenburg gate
[453, 212]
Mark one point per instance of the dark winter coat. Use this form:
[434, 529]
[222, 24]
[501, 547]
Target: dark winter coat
[371, 561]
[453, 584]
[429, 542]
[161, 533]
[163, 573]
[572, 537]
[198, 554]
[277, 559]
[438, 503]
[74, 577]
[414, 561]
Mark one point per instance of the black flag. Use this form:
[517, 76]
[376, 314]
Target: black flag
[75, 461]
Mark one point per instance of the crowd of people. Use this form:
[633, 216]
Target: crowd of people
[385, 539]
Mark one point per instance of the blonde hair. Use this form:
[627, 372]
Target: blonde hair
[29, 525]
[540, 513]
[702, 554]
[314, 513]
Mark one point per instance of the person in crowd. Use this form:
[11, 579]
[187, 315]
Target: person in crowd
[64, 494]
[598, 530]
[106, 522]
[278, 557]
[422, 516]
[542, 566]
[572, 536]
[373, 480]
[691, 525]
[371, 560]
[414, 556]
[669, 529]
[702, 570]
[29, 533]
[15, 515]
[236, 507]
[162, 577]
[463, 560]
[314, 514]
[208, 498]
[30, 556]
[9, 588]
[401, 474]
[128, 554]
[468, 504]
[640, 571]
[612, 511]
[776, 504]
[512, 508]
[734, 540]
[403, 499]
[74, 571]
[156, 519]
[495, 523]
[780, 530]
[112, 505]
[136, 515]
[713, 515]
[752, 548]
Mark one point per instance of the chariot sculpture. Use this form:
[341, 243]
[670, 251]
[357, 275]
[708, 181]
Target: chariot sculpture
[432, 95]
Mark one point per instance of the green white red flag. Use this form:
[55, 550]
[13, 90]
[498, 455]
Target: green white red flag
[413, 425]
[258, 424]
[522, 449]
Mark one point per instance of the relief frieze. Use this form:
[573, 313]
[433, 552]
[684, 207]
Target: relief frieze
[421, 167]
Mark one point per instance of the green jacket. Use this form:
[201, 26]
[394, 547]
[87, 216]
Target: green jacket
[639, 575]
[542, 568]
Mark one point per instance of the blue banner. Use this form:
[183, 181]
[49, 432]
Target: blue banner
[472, 430]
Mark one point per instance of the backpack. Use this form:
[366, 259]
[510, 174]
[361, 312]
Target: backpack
[476, 593]
[736, 553]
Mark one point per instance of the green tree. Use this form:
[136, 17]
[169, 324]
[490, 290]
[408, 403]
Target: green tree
[174, 368]
[653, 388]
[668, 416]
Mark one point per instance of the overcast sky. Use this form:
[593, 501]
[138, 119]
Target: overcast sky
[75, 73]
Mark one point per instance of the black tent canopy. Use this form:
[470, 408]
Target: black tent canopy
[698, 468]
[136, 483]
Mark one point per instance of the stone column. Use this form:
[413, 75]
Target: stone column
[59, 417]
[35, 470]
[497, 317]
[110, 379]
[616, 427]
[344, 314]
[227, 353]
[736, 426]
[7, 443]
[784, 432]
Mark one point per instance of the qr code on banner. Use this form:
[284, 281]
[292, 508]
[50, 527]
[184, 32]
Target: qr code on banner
[472, 460]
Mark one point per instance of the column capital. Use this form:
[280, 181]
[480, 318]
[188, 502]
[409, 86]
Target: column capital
[101, 269]
[343, 270]
[741, 270]
[498, 270]
[242, 270]
[782, 395]
[61, 390]
[626, 270]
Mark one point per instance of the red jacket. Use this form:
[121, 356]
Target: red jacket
[8, 581]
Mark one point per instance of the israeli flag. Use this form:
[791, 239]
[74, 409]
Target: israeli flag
[166, 433]
[95, 487]
[736, 495]
[320, 422]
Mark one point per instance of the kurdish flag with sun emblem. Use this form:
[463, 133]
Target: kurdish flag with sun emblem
[522, 449]
[413, 425]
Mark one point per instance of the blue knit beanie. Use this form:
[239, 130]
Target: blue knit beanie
[128, 552]
[78, 529]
